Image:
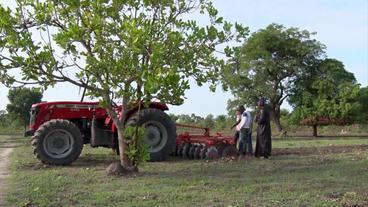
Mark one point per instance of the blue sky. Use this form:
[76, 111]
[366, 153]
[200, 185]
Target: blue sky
[342, 25]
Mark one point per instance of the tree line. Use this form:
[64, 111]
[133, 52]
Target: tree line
[17, 111]
[289, 65]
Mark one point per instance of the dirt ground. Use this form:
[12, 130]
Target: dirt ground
[317, 150]
[4, 172]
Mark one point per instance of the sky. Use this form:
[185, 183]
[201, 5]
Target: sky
[342, 25]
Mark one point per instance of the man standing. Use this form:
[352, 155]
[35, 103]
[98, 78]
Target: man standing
[238, 125]
[264, 145]
[243, 124]
[248, 131]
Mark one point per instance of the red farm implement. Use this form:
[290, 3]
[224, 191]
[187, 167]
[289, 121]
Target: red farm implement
[202, 145]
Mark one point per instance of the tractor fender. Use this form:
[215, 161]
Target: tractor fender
[152, 105]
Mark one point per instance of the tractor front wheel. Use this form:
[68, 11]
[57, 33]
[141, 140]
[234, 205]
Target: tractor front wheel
[57, 142]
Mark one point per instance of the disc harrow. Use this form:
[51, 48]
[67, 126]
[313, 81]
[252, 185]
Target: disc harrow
[203, 145]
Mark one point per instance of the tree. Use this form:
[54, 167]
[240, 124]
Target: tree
[209, 121]
[184, 119]
[3, 118]
[127, 51]
[221, 122]
[21, 100]
[174, 117]
[325, 96]
[197, 120]
[360, 113]
[268, 64]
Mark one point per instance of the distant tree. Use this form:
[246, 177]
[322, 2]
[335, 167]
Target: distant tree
[185, 119]
[197, 120]
[268, 64]
[361, 110]
[3, 118]
[209, 121]
[20, 102]
[174, 117]
[221, 122]
[325, 96]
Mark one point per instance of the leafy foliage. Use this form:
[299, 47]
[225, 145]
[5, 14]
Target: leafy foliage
[268, 65]
[361, 115]
[3, 118]
[328, 95]
[218, 123]
[21, 100]
[137, 150]
[125, 51]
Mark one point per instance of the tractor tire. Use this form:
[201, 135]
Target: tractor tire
[57, 142]
[160, 133]
[229, 151]
[173, 153]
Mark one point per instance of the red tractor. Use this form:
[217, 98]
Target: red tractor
[60, 129]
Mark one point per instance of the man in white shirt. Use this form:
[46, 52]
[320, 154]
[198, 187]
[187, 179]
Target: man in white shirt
[248, 123]
[244, 127]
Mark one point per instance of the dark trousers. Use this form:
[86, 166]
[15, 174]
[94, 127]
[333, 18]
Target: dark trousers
[245, 142]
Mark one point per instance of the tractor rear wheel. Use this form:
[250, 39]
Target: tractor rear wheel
[57, 142]
[160, 133]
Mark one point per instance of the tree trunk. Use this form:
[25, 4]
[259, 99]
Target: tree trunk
[315, 131]
[275, 114]
[126, 165]
[124, 160]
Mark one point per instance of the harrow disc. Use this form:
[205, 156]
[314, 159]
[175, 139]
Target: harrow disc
[220, 147]
[212, 153]
[229, 151]
[191, 151]
[179, 149]
[202, 153]
[197, 152]
[185, 150]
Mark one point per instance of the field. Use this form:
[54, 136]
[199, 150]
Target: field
[309, 172]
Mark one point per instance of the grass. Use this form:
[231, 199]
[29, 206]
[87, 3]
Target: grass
[318, 142]
[311, 180]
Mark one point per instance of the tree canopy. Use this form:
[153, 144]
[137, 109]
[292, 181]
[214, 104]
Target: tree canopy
[268, 64]
[126, 51]
[20, 102]
[361, 115]
[328, 95]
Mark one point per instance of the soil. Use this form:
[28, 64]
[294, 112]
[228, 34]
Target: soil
[317, 150]
[4, 170]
